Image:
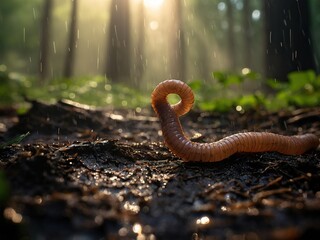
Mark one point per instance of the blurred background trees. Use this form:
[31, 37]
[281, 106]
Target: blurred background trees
[142, 42]
[72, 43]
[289, 41]
[119, 42]
[44, 54]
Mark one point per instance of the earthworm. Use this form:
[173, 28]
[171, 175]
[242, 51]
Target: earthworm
[187, 150]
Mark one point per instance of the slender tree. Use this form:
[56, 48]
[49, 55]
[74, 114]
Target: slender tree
[247, 33]
[139, 49]
[176, 40]
[231, 37]
[45, 38]
[72, 43]
[287, 37]
[118, 50]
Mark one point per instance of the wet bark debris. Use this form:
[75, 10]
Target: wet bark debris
[114, 179]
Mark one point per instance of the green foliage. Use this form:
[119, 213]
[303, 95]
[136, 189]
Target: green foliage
[95, 91]
[19, 35]
[12, 86]
[301, 90]
[15, 140]
[226, 92]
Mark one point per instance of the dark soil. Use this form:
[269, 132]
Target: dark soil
[105, 174]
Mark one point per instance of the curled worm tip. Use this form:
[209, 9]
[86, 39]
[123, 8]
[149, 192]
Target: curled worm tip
[181, 146]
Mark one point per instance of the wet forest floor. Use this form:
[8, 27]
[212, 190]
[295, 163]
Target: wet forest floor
[105, 174]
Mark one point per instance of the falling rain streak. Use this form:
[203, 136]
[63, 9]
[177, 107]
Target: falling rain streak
[24, 34]
[98, 57]
[54, 47]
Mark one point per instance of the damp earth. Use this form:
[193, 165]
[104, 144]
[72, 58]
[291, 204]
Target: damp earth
[83, 173]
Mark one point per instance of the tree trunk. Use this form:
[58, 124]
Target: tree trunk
[118, 50]
[287, 36]
[231, 37]
[139, 50]
[176, 42]
[72, 43]
[247, 34]
[44, 41]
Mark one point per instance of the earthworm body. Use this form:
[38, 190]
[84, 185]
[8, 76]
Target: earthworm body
[182, 147]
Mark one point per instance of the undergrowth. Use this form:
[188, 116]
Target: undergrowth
[231, 91]
[223, 92]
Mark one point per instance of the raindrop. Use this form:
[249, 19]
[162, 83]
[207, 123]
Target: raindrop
[24, 34]
[256, 14]
[290, 38]
[239, 5]
[245, 71]
[124, 103]
[107, 87]
[98, 220]
[93, 84]
[54, 47]
[195, 236]
[11, 214]
[133, 207]
[222, 6]
[203, 220]
[123, 232]
[66, 25]
[270, 37]
[224, 208]
[34, 13]
[137, 228]
[72, 95]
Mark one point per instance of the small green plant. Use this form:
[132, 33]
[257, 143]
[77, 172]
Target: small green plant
[12, 86]
[14, 140]
[301, 90]
[222, 93]
[95, 91]
[228, 91]
[225, 92]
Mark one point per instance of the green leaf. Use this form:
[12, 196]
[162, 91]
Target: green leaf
[276, 85]
[14, 140]
[196, 85]
[305, 100]
[219, 76]
[252, 75]
[248, 100]
[298, 80]
[207, 106]
[233, 79]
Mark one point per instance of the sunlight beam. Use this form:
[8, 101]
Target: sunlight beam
[153, 4]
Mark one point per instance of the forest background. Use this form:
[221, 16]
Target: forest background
[135, 43]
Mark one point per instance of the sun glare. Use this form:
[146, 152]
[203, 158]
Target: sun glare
[153, 4]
